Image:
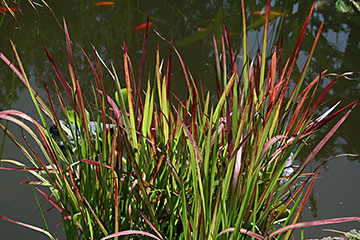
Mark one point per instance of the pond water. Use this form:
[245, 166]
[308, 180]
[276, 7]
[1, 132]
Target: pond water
[191, 25]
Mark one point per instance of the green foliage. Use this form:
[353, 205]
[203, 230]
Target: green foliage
[124, 96]
[348, 7]
[171, 169]
[74, 117]
[341, 6]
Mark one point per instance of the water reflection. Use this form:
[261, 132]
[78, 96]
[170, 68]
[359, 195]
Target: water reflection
[313, 204]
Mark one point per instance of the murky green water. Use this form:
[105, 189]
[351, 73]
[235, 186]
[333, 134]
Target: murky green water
[191, 24]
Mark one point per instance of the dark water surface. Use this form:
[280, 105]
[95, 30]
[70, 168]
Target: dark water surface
[191, 25]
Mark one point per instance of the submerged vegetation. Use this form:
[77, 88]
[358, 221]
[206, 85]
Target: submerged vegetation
[145, 162]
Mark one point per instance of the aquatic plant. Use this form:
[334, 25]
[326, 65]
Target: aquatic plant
[147, 163]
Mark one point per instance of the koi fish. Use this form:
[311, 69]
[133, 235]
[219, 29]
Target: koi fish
[103, 3]
[272, 13]
[141, 27]
[6, 10]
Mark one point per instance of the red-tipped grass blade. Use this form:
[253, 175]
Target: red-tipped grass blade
[28, 226]
[130, 232]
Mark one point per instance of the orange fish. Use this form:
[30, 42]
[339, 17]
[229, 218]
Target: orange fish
[6, 10]
[141, 27]
[103, 3]
[272, 13]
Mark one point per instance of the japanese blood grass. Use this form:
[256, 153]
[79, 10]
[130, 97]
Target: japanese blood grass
[179, 169]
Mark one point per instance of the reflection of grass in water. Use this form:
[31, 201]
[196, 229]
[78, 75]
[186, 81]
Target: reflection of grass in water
[213, 27]
[9, 107]
[11, 95]
[2, 19]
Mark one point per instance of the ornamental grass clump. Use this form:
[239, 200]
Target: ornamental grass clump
[144, 163]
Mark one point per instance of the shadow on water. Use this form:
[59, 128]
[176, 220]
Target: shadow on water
[191, 25]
